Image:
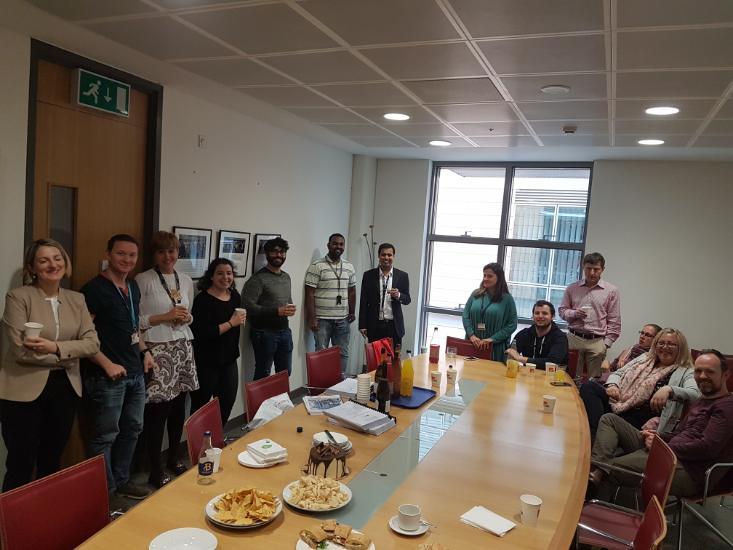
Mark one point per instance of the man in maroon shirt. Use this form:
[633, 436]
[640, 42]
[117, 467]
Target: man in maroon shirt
[703, 438]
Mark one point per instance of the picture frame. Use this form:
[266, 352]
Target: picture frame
[194, 251]
[259, 260]
[234, 246]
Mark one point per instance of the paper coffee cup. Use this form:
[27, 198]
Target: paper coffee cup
[531, 367]
[436, 377]
[33, 330]
[452, 376]
[550, 369]
[215, 455]
[408, 517]
[530, 506]
[548, 403]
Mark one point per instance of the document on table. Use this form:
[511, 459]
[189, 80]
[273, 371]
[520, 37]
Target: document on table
[361, 418]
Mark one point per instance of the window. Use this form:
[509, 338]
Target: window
[529, 218]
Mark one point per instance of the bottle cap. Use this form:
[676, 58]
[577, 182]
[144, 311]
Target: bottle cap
[299, 429]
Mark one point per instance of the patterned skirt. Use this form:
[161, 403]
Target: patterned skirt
[175, 370]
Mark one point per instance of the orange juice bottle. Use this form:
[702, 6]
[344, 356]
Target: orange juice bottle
[408, 377]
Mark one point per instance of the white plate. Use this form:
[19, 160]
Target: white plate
[245, 459]
[321, 437]
[330, 545]
[210, 512]
[185, 538]
[288, 494]
[394, 523]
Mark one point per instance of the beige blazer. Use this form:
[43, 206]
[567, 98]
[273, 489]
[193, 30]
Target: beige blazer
[23, 373]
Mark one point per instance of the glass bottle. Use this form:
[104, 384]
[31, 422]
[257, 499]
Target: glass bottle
[384, 390]
[408, 377]
[206, 461]
[396, 372]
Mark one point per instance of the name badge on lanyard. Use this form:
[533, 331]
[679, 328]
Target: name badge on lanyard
[481, 326]
[135, 336]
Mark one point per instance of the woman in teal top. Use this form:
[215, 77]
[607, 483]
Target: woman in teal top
[490, 316]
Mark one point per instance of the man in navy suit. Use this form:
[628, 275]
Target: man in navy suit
[384, 290]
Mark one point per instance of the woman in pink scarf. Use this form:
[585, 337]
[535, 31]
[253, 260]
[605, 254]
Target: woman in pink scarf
[641, 388]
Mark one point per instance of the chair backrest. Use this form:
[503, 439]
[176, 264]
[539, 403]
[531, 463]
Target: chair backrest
[59, 511]
[658, 472]
[652, 529]
[729, 361]
[572, 363]
[467, 349]
[264, 388]
[207, 418]
[323, 368]
[371, 358]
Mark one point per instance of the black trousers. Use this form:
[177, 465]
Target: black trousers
[157, 415]
[36, 432]
[596, 403]
[385, 329]
[219, 381]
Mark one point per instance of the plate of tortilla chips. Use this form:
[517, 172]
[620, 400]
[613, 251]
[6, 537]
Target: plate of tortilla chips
[317, 494]
[244, 508]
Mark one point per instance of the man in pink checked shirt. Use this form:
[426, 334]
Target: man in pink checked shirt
[592, 308]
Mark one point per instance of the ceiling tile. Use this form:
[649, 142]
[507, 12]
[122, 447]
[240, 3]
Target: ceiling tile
[492, 128]
[474, 112]
[262, 29]
[672, 84]
[505, 141]
[160, 37]
[623, 140]
[417, 114]
[585, 86]
[183, 4]
[357, 130]
[456, 90]
[431, 61]
[431, 131]
[516, 17]
[560, 110]
[719, 128]
[655, 13]
[382, 21]
[575, 141]
[365, 95]
[675, 49]
[546, 55]
[455, 142]
[293, 96]
[323, 67]
[660, 126]
[89, 9]
[326, 114]
[689, 108]
[382, 142]
[234, 72]
[714, 141]
[555, 128]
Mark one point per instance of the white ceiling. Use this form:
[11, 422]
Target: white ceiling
[468, 71]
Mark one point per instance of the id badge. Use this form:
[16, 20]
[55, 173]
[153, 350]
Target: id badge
[135, 338]
[338, 300]
[481, 326]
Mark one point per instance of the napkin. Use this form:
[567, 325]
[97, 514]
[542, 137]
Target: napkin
[484, 519]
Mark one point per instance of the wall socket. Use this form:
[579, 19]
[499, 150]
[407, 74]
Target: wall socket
[202, 141]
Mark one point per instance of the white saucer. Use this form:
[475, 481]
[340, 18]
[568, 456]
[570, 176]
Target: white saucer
[394, 524]
[245, 459]
[190, 538]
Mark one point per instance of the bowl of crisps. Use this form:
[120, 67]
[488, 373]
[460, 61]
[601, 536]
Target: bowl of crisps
[245, 508]
[316, 494]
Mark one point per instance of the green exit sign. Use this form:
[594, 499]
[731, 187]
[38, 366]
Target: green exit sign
[101, 93]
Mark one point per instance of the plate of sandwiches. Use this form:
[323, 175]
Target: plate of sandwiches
[332, 535]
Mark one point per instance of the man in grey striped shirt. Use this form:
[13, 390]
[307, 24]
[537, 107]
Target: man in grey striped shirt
[330, 298]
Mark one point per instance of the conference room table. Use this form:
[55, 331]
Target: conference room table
[484, 441]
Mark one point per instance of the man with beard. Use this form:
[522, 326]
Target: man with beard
[330, 298]
[703, 438]
[268, 300]
[541, 343]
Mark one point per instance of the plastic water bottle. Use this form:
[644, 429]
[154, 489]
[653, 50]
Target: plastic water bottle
[206, 461]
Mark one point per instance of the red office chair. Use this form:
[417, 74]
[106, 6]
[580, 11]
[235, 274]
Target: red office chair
[371, 359]
[647, 535]
[373, 351]
[259, 390]
[323, 369]
[466, 348]
[622, 522]
[207, 418]
[59, 511]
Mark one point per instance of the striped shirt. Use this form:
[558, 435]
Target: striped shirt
[331, 280]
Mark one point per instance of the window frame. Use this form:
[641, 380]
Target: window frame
[502, 242]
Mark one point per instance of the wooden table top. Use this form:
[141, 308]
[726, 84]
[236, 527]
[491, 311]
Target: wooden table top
[501, 447]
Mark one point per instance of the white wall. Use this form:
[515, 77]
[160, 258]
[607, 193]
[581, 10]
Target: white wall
[665, 230]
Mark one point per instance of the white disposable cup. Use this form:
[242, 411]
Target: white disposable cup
[530, 509]
[452, 376]
[550, 369]
[532, 367]
[33, 330]
[215, 455]
[436, 377]
[548, 403]
[408, 516]
[240, 310]
[363, 387]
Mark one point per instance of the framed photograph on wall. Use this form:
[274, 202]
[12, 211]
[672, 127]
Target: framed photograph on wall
[234, 246]
[194, 252]
[259, 260]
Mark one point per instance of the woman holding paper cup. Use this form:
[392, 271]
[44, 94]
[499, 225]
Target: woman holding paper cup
[46, 329]
[490, 315]
[165, 298]
[218, 316]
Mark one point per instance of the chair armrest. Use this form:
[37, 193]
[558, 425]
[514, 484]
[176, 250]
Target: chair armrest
[614, 538]
[613, 506]
[708, 473]
[606, 466]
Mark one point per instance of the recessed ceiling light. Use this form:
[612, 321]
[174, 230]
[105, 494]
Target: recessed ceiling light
[396, 116]
[439, 143]
[662, 111]
[650, 142]
[555, 89]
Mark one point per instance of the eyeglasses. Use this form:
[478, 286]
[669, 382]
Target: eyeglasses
[669, 345]
[647, 334]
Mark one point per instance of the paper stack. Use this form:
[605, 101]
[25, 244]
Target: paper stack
[486, 520]
[346, 388]
[267, 452]
[316, 404]
[360, 418]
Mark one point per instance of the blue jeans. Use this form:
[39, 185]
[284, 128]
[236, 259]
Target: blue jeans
[117, 408]
[335, 331]
[272, 346]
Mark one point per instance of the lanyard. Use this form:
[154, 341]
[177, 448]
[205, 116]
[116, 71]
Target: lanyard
[385, 282]
[177, 298]
[483, 308]
[130, 308]
[338, 275]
